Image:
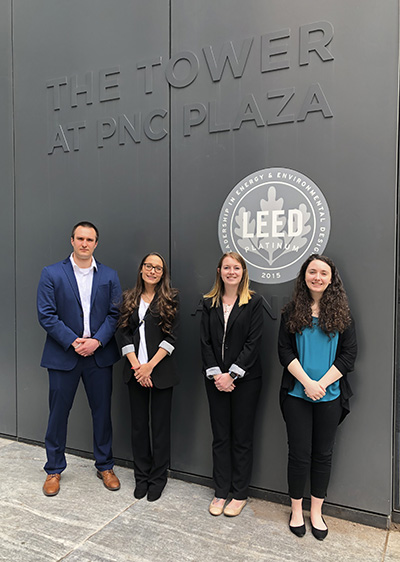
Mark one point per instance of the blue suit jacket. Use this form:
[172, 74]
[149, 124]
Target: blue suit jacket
[60, 314]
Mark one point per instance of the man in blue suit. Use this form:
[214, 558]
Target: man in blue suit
[78, 306]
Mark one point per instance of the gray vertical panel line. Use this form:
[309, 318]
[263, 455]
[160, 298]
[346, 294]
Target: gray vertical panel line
[396, 393]
[14, 207]
[170, 145]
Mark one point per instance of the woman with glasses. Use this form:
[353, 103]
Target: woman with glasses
[148, 323]
[231, 332]
[317, 348]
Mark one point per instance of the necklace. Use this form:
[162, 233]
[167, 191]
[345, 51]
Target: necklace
[315, 309]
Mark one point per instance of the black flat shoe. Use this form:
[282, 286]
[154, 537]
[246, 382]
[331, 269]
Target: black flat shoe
[153, 495]
[318, 533]
[140, 491]
[299, 531]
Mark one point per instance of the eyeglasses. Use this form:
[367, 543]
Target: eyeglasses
[149, 267]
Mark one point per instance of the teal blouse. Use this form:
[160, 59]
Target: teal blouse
[317, 352]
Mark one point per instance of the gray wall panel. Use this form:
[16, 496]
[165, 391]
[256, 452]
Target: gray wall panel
[352, 158]
[167, 194]
[7, 247]
[123, 188]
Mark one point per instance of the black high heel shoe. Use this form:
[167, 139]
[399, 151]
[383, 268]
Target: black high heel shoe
[299, 531]
[318, 533]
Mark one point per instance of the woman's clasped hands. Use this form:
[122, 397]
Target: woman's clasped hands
[143, 374]
[224, 382]
[314, 390]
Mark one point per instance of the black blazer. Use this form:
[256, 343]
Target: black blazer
[242, 341]
[165, 374]
[344, 361]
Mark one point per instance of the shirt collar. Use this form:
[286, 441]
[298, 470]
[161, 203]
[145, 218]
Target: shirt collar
[86, 269]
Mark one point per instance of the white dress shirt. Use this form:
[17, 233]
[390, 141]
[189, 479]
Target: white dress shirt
[84, 279]
[142, 355]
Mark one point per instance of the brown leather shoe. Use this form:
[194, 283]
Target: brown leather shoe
[110, 481]
[51, 487]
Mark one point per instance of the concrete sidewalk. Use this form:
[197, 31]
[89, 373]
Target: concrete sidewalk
[87, 523]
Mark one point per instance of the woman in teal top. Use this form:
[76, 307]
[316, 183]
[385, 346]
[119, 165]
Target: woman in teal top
[317, 352]
[317, 348]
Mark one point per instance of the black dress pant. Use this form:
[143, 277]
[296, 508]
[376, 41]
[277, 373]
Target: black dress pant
[151, 434]
[232, 422]
[311, 430]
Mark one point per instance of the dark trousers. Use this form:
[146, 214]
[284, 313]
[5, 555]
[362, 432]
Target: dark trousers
[232, 422]
[62, 389]
[311, 429]
[151, 434]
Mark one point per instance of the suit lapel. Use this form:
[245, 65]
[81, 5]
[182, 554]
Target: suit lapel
[96, 281]
[220, 313]
[235, 312]
[69, 272]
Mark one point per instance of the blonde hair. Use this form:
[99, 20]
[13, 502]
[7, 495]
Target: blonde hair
[217, 290]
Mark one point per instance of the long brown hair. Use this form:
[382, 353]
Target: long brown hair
[164, 302]
[334, 312]
[217, 290]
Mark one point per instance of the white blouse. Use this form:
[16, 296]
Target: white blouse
[142, 355]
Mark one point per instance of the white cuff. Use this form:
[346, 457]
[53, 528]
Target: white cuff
[127, 349]
[213, 371]
[167, 346]
[237, 370]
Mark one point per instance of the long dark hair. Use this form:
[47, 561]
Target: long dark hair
[164, 302]
[334, 312]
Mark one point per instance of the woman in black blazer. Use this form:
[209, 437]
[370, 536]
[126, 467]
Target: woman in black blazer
[148, 323]
[231, 332]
